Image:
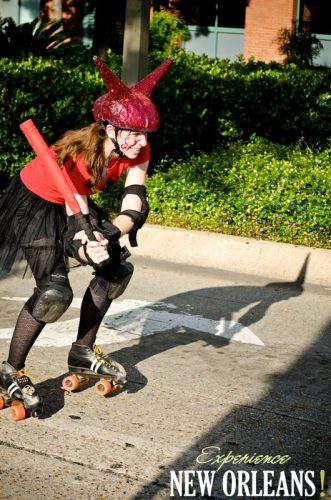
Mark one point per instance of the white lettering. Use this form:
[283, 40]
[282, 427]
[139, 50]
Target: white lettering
[254, 492]
[177, 482]
[282, 489]
[243, 479]
[233, 483]
[310, 483]
[206, 482]
[297, 483]
[188, 483]
[267, 482]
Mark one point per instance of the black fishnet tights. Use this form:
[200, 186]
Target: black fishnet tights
[25, 334]
[92, 313]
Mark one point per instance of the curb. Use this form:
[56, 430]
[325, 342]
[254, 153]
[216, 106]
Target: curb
[233, 253]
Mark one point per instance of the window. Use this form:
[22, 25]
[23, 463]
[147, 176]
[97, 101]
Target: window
[317, 13]
[218, 13]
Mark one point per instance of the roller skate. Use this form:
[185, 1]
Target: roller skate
[18, 392]
[84, 362]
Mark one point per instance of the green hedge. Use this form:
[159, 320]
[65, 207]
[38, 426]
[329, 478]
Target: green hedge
[206, 101]
[57, 94]
[201, 101]
[258, 189]
[248, 186]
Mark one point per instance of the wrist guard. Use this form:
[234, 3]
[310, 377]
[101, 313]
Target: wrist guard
[71, 248]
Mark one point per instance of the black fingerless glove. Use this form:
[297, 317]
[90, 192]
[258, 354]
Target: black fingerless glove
[71, 246]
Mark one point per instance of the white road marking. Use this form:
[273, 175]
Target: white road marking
[131, 319]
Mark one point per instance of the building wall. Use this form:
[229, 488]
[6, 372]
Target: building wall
[22, 11]
[264, 19]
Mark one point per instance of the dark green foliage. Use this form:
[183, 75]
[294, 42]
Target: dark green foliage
[246, 185]
[35, 38]
[203, 101]
[166, 30]
[256, 189]
[58, 95]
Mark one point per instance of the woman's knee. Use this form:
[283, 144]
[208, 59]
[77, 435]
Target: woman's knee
[51, 298]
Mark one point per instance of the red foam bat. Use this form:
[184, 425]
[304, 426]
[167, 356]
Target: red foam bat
[41, 149]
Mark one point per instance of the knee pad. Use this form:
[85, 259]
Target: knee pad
[52, 297]
[112, 285]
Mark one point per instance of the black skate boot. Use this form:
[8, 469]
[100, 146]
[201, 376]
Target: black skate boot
[17, 387]
[84, 362]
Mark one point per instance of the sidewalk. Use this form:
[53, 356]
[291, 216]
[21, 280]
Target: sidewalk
[233, 253]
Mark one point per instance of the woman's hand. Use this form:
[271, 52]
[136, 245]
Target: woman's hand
[97, 251]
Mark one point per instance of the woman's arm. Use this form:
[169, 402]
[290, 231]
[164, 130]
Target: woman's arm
[82, 202]
[96, 250]
[136, 176]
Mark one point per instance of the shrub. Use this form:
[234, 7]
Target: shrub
[57, 94]
[248, 186]
[166, 30]
[35, 38]
[202, 102]
[256, 189]
[205, 101]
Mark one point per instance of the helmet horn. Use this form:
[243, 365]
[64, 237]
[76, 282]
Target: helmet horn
[148, 84]
[115, 86]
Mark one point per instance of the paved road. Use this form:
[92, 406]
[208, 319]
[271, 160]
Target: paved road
[215, 359]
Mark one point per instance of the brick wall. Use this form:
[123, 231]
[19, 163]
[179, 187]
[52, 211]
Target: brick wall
[264, 19]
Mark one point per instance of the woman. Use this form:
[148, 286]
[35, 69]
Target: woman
[37, 225]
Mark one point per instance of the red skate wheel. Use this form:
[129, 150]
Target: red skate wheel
[2, 403]
[17, 412]
[103, 387]
[70, 383]
[14, 402]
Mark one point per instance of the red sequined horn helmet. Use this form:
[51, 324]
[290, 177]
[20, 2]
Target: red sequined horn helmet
[128, 108]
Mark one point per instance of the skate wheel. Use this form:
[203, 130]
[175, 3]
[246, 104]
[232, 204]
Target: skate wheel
[17, 412]
[70, 383]
[2, 403]
[14, 402]
[103, 387]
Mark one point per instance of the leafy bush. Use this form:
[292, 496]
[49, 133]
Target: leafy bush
[203, 101]
[256, 189]
[57, 94]
[249, 188]
[166, 30]
[34, 38]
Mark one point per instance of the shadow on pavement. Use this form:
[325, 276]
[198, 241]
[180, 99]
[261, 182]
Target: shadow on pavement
[293, 419]
[214, 303]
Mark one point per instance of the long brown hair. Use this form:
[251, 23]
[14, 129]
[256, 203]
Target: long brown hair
[87, 142]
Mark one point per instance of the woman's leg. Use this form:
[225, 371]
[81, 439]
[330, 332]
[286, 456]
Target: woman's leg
[51, 297]
[25, 334]
[92, 313]
[84, 356]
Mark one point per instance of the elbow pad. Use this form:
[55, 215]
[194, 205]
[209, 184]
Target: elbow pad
[138, 218]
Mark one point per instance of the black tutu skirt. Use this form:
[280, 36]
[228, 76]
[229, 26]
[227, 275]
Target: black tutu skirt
[31, 232]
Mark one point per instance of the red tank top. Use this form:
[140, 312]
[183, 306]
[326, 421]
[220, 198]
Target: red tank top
[36, 178]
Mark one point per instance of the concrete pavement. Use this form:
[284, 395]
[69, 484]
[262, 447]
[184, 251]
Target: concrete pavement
[234, 253]
[234, 362]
